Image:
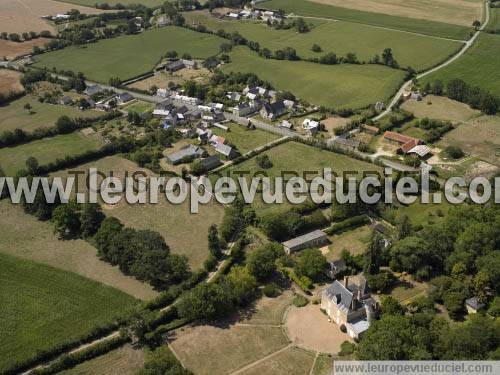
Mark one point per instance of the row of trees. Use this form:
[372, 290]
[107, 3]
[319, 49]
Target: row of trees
[15, 37]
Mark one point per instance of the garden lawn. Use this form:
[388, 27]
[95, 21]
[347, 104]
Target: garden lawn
[333, 86]
[479, 66]
[309, 8]
[46, 150]
[245, 139]
[366, 41]
[14, 116]
[129, 56]
[43, 307]
[494, 23]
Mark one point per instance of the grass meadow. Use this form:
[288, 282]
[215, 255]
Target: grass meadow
[292, 361]
[188, 239]
[46, 150]
[14, 116]
[338, 86]
[479, 66]
[293, 157]
[366, 41]
[245, 139]
[24, 236]
[43, 307]
[128, 56]
[421, 26]
[494, 23]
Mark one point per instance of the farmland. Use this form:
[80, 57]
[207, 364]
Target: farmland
[365, 41]
[440, 108]
[118, 57]
[23, 236]
[338, 86]
[46, 150]
[42, 307]
[91, 3]
[421, 26]
[20, 16]
[244, 139]
[480, 66]
[9, 82]
[14, 116]
[125, 361]
[11, 49]
[293, 157]
[460, 12]
[189, 239]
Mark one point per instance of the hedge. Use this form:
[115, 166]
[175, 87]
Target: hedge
[71, 360]
[352, 222]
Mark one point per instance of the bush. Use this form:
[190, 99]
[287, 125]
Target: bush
[300, 301]
[453, 152]
[271, 290]
[347, 348]
[350, 223]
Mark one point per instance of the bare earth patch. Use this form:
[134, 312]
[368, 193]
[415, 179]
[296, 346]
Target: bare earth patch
[11, 50]
[332, 123]
[10, 81]
[459, 12]
[308, 328]
[18, 16]
[440, 108]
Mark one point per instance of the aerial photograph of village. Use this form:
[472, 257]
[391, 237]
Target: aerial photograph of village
[133, 134]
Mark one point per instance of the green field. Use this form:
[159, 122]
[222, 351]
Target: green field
[337, 86]
[479, 66]
[43, 307]
[365, 41]
[91, 3]
[244, 139]
[308, 8]
[293, 157]
[128, 56]
[14, 116]
[494, 23]
[46, 150]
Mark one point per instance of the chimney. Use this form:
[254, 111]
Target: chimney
[359, 294]
[346, 281]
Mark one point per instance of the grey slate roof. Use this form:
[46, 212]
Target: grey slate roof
[125, 97]
[224, 149]
[342, 296]
[93, 89]
[474, 303]
[188, 151]
[211, 162]
[297, 241]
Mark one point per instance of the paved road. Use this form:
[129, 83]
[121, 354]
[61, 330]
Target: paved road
[464, 49]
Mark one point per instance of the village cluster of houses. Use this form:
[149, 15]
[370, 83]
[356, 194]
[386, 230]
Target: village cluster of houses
[118, 99]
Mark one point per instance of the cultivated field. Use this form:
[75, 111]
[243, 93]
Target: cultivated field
[123, 361]
[24, 236]
[11, 50]
[14, 116]
[422, 26]
[480, 66]
[440, 108]
[245, 139]
[18, 16]
[9, 82]
[46, 150]
[43, 307]
[119, 57]
[337, 86]
[188, 239]
[91, 3]
[460, 12]
[479, 136]
[365, 41]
